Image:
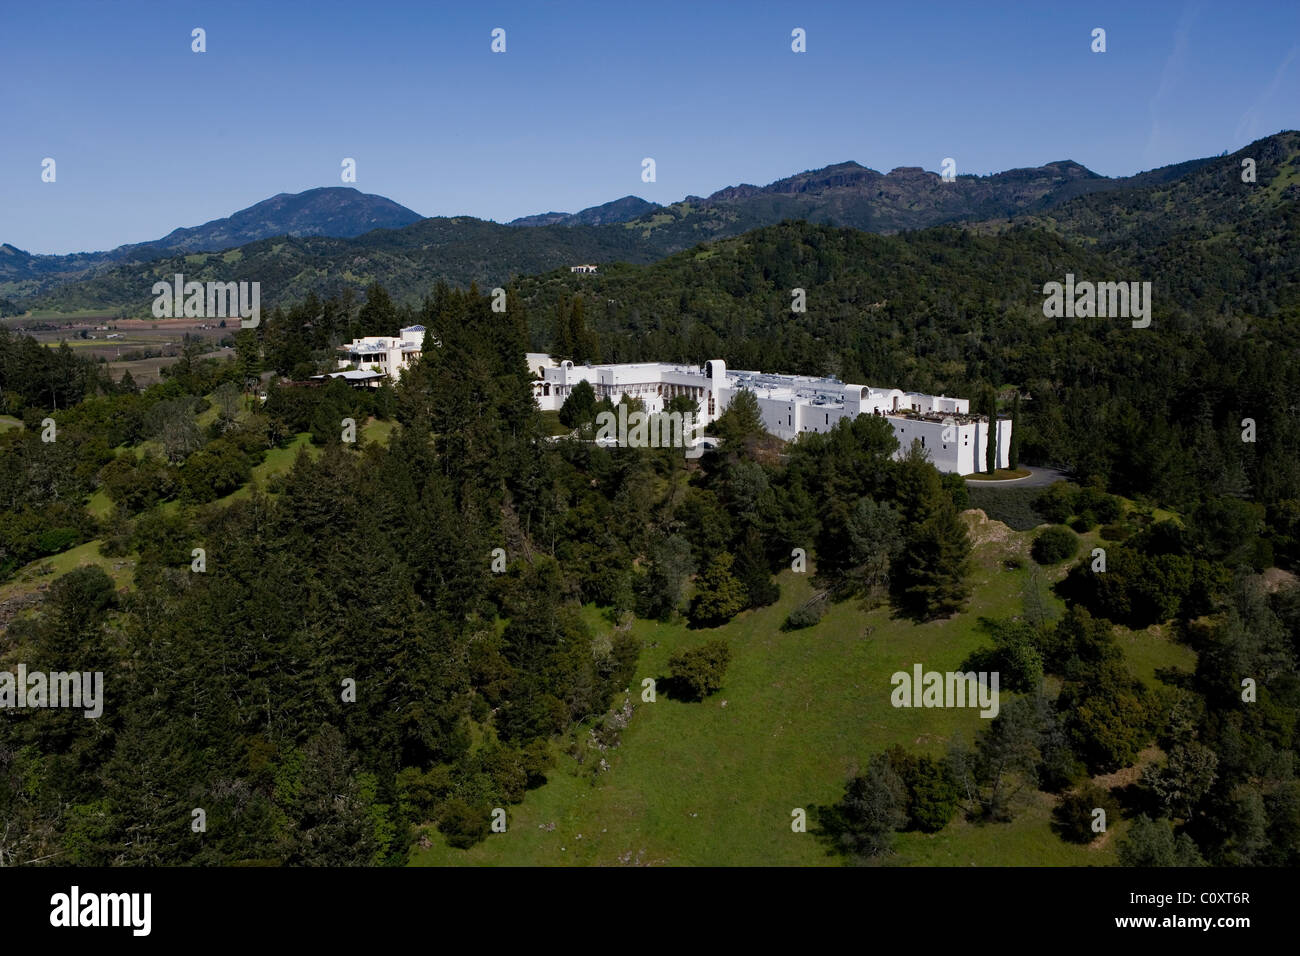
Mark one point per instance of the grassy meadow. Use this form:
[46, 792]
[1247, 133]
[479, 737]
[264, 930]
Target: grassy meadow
[715, 782]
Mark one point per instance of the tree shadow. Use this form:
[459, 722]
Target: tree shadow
[674, 688]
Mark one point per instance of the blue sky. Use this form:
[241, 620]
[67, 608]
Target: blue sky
[148, 136]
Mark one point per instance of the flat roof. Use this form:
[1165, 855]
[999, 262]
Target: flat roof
[352, 375]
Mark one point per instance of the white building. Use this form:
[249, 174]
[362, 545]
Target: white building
[386, 354]
[790, 404]
[538, 363]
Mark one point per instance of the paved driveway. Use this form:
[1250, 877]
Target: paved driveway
[1038, 478]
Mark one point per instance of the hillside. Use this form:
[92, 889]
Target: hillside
[339, 211]
[409, 262]
[1239, 240]
[785, 731]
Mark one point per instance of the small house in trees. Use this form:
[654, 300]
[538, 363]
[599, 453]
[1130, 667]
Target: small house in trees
[387, 355]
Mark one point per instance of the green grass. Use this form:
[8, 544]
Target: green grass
[8, 421]
[73, 558]
[68, 314]
[278, 461]
[99, 505]
[1002, 474]
[1149, 649]
[1026, 840]
[378, 431]
[703, 784]
[551, 421]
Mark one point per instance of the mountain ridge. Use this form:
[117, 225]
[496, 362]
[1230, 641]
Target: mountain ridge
[463, 249]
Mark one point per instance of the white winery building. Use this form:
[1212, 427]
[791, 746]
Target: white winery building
[791, 405]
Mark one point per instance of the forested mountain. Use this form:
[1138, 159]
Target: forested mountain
[408, 261]
[340, 211]
[620, 210]
[848, 194]
[461, 250]
[1230, 246]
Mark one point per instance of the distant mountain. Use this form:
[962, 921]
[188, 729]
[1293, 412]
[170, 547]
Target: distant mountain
[906, 198]
[337, 211]
[620, 210]
[1189, 203]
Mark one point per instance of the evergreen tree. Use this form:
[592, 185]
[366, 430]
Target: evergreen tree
[579, 407]
[720, 595]
[752, 570]
[864, 821]
[1152, 843]
[741, 421]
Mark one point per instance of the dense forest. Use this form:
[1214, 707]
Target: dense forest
[1156, 412]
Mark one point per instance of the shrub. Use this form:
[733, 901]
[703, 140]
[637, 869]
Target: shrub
[1074, 816]
[461, 824]
[1083, 522]
[57, 539]
[699, 672]
[1054, 545]
[1115, 532]
[1056, 504]
[1106, 508]
[806, 614]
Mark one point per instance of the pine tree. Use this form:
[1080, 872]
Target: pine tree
[721, 595]
[752, 570]
[564, 344]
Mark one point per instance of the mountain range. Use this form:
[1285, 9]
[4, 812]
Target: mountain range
[339, 211]
[325, 239]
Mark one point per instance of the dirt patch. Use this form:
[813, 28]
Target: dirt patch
[15, 603]
[1129, 775]
[982, 530]
[1275, 579]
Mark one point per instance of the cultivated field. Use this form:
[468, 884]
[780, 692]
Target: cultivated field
[163, 336]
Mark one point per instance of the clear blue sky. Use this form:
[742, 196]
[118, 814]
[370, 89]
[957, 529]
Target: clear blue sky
[148, 135]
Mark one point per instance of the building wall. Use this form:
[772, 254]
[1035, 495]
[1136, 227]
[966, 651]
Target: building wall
[784, 413]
